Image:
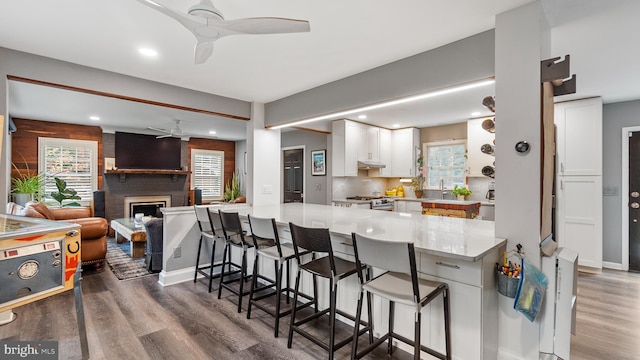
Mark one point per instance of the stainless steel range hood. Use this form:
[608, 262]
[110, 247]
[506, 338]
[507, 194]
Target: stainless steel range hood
[370, 165]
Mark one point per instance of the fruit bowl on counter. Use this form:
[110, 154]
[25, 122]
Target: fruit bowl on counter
[399, 192]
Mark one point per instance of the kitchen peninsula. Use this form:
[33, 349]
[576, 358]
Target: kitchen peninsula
[460, 252]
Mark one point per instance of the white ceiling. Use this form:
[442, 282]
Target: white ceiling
[346, 37]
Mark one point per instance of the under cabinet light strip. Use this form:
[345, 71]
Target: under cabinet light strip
[384, 104]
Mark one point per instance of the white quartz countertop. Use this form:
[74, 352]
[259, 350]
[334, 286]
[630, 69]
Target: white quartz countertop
[457, 238]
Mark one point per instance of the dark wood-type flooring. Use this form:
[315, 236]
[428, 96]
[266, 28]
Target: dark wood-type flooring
[139, 319]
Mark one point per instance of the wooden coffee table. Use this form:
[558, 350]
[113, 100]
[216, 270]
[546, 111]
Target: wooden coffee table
[132, 231]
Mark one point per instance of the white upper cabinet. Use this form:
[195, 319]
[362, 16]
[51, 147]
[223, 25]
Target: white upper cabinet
[405, 143]
[384, 151]
[476, 138]
[373, 143]
[579, 137]
[345, 148]
[353, 142]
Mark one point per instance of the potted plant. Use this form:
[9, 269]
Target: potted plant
[418, 182]
[26, 187]
[232, 188]
[65, 193]
[461, 192]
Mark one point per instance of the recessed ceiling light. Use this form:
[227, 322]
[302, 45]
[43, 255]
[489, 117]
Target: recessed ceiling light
[94, 118]
[396, 125]
[362, 117]
[212, 132]
[148, 52]
[476, 113]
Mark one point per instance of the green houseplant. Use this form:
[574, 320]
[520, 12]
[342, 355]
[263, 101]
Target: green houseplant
[418, 182]
[26, 187]
[232, 188]
[461, 192]
[65, 193]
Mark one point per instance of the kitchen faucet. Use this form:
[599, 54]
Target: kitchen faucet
[442, 192]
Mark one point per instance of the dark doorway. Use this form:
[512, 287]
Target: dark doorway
[293, 175]
[633, 199]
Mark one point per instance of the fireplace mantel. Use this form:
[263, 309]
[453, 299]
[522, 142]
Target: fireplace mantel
[124, 172]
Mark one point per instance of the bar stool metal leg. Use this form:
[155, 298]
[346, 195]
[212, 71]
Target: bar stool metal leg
[254, 284]
[447, 323]
[227, 249]
[278, 298]
[332, 316]
[392, 310]
[195, 275]
[213, 254]
[293, 308]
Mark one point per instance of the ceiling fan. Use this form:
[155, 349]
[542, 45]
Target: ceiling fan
[175, 132]
[208, 25]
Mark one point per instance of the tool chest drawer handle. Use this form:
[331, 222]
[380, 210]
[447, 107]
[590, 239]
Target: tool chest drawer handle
[447, 265]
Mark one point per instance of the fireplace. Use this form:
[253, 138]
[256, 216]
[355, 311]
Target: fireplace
[148, 205]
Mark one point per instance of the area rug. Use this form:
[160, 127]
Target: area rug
[122, 265]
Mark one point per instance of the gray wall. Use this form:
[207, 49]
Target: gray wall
[615, 117]
[455, 63]
[315, 187]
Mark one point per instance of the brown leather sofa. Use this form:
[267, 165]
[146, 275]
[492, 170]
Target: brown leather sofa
[93, 230]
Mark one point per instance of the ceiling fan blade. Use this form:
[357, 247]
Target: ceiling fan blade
[203, 50]
[189, 21]
[164, 136]
[264, 25]
[160, 130]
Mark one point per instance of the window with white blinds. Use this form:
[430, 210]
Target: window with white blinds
[446, 161]
[207, 173]
[74, 161]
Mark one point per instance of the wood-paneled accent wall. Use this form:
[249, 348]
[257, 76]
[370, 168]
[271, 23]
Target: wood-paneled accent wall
[24, 142]
[229, 148]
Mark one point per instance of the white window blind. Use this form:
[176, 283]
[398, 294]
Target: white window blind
[207, 173]
[446, 161]
[74, 161]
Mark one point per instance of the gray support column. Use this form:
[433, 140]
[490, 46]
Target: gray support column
[263, 159]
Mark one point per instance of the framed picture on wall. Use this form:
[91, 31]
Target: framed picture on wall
[318, 162]
[109, 163]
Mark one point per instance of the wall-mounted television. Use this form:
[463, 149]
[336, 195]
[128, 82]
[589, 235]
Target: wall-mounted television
[138, 151]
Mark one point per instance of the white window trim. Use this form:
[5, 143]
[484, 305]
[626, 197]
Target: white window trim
[195, 152]
[425, 153]
[43, 141]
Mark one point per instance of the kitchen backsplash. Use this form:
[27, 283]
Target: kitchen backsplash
[364, 186]
[358, 186]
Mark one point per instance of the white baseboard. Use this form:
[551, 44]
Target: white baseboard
[611, 265]
[167, 278]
